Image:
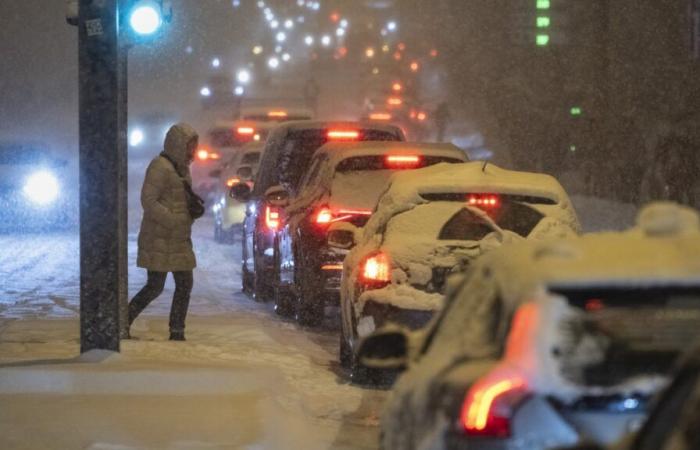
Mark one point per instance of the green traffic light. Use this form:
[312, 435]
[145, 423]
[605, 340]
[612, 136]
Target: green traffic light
[576, 111]
[543, 4]
[543, 22]
[542, 40]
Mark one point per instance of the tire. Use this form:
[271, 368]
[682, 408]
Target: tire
[284, 301]
[262, 291]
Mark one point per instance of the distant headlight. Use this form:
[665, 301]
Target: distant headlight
[41, 188]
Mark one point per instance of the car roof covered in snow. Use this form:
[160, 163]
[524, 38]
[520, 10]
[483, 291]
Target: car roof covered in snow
[475, 177]
[338, 151]
[662, 249]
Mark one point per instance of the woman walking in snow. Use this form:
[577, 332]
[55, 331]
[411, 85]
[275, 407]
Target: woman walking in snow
[165, 238]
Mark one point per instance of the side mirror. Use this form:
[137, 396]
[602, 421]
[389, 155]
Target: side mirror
[342, 235]
[216, 173]
[277, 196]
[240, 192]
[245, 172]
[385, 349]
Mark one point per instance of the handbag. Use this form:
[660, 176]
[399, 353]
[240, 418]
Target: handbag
[195, 203]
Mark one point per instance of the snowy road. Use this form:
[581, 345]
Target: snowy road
[265, 382]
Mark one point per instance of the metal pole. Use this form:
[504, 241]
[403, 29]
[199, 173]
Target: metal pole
[102, 179]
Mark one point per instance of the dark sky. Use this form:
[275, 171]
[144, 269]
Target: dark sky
[38, 79]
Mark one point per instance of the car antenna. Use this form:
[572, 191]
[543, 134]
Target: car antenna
[483, 168]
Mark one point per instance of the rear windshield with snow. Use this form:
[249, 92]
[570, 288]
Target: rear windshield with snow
[289, 161]
[467, 226]
[621, 332]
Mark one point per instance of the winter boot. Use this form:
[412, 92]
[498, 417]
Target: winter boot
[177, 335]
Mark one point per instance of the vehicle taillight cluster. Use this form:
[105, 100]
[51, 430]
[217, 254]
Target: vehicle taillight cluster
[343, 135]
[246, 131]
[325, 215]
[403, 161]
[273, 218]
[231, 181]
[486, 200]
[204, 155]
[376, 270]
[489, 406]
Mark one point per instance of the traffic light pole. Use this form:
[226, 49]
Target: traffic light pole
[103, 212]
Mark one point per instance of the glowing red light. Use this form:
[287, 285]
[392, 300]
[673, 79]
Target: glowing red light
[343, 134]
[380, 116]
[335, 17]
[324, 216]
[277, 114]
[397, 87]
[402, 160]
[376, 268]
[231, 181]
[422, 116]
[488, 407]
[202, 154]
[594, 304]
[246, 130]
[415, 66]
[272, 218]
[487, 200]
[394, 101]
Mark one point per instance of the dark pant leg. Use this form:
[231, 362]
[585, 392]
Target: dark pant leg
[153, 288]
[181, 300]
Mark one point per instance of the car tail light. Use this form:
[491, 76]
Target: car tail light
[490, 404]
[487, 200]
[231, 181]
[248, 131]
[277, 114]
[202, 154]
[380, 116]
[394, 101]
[402, 161]
[376, 268]
[272, 218]
[343, 134]
[215, 156]
[422, 116]
[325, 215]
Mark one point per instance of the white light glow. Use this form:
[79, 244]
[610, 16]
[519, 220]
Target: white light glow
[41, 188]
[340, 32]
[274, 24]
[239, 91]
[326, 40]
[273, 63]
[391, 26]
[243, 76]
[309, 40]
[344, 23]
[289, 24]
[216, 63]
[281, 36]
[286, 57]
[136, 137]
[145, 19]
[205, 92]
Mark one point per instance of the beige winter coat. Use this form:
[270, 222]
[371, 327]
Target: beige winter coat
[165, 243]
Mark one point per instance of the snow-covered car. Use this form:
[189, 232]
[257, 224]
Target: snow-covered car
[544, 344]
[229, 213]
[342, 185]
[288, 152]
[433, 222]
[674, 417]
[37, 190]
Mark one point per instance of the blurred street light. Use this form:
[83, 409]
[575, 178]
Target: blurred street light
[326, 40]
[309, 40]
[257, 50]
[286, 57]
[243, 76]
[146, 17]
[205, 92]
[136, 137]
[273, 62]
[391, 26]
[289, 24]
[216, 63]
[239, 91]
[281, 37]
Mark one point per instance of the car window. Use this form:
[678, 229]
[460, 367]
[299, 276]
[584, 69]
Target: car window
[310, 177]
[465, 226]
[512, 216]
[251, 158]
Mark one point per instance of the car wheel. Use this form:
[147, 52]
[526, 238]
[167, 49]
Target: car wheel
[284, 301]
[345, 354]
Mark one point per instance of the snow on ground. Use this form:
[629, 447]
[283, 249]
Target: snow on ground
[244, 379]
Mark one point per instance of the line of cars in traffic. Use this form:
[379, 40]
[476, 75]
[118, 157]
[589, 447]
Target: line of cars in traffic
[509, 329]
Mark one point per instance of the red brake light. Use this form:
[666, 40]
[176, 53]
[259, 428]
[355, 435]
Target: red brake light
[202, 154]
[405, 161]
[487, 200]
[397, 87]
[272, 218]
[343, 134]
[594, 304]
[324, 216]
[422, 116]
[246, 130]
[214, 156]
[394, 101]
[277, 114]
[231, 181]
[489, 406]
[376, 269]
[380, 116]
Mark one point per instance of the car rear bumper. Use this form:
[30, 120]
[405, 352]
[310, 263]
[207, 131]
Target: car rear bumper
[376, 315]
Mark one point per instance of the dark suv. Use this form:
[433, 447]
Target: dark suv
[286, 158]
